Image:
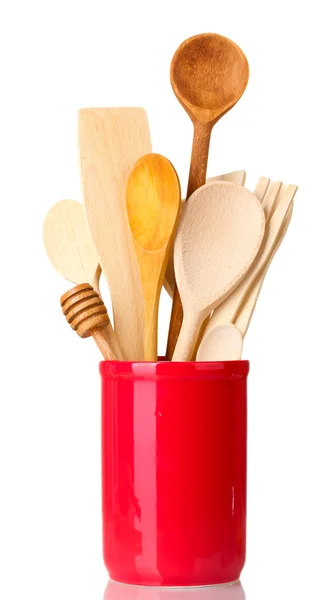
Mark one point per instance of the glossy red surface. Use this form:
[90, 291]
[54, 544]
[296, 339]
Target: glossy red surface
[174, 471]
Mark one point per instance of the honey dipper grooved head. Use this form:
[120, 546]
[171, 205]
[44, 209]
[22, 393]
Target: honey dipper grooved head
[84, 310]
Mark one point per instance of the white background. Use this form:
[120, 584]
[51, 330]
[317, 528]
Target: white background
[59, 56]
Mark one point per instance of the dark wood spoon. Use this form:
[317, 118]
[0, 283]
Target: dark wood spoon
[209, 74]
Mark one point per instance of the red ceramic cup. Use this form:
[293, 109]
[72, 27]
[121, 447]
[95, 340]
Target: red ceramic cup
[174, 471]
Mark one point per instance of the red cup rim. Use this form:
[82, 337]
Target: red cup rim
[232, 369]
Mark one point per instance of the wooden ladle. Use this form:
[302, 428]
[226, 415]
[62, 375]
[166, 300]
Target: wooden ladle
[220, 233]
[153, 204]
[209, 74]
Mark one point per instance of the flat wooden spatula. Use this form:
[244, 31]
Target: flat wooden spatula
[111, 140]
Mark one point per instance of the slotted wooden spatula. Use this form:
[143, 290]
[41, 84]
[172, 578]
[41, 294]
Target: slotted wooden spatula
[111, 140]
[244, 314]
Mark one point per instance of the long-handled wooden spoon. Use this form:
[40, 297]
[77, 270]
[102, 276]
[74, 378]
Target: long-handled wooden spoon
[226, 312]
[218, 238]
[223, 342]
[87, 315]
[111, 140]
[268, 193]
[209, 74]
[238, 177]
[70, 248]
[153, 203]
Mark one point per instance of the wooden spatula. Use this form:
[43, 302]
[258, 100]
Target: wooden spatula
[153, 203]
[111, 140]
[218, 238]
[226, 312]
[71, 251]
[68, 243]
[238, 177]
[223, 342]
[244, 314]
[261, 188]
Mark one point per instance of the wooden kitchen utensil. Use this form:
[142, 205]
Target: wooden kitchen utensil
[261, 188]
[238, 177]
[70, 248]
[218, 238]
[111, 140]
[87, 315]
[270, 199]
[68, 243]
[226, 312]
[153, 203]
[244, 314]
[223, 342]
[209, 74]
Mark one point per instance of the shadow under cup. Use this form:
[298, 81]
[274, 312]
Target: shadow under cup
[174, 439]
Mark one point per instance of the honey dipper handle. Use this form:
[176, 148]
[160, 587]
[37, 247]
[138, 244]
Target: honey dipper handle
[86, 314]
[102, 344]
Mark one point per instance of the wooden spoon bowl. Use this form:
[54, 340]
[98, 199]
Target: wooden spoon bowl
[153, 203]
[209, 74]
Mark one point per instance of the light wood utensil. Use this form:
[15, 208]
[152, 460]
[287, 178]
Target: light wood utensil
[153, 203]
[223, 342]
[209, 74]
[68, 243]
[238, 177]
[270, 200]
[87, 315]
[261, 188]
[218, 238]
[227, 311]
[70, 248]
[111, 140]
[247, 307]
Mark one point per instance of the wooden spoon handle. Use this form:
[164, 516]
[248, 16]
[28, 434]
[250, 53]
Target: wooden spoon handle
[187, 339]
[197, 178]
[199, 157]
[175, 324]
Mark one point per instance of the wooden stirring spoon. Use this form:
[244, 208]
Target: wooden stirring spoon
[223, 342]
[87, 315]
[219, 235]
[209, 74]
[226, 311]
[153, 203]
[70, 248]
[238, 177]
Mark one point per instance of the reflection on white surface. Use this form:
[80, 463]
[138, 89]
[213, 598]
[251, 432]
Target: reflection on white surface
[118, 591]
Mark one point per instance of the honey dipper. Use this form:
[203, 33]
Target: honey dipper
[87, 315]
